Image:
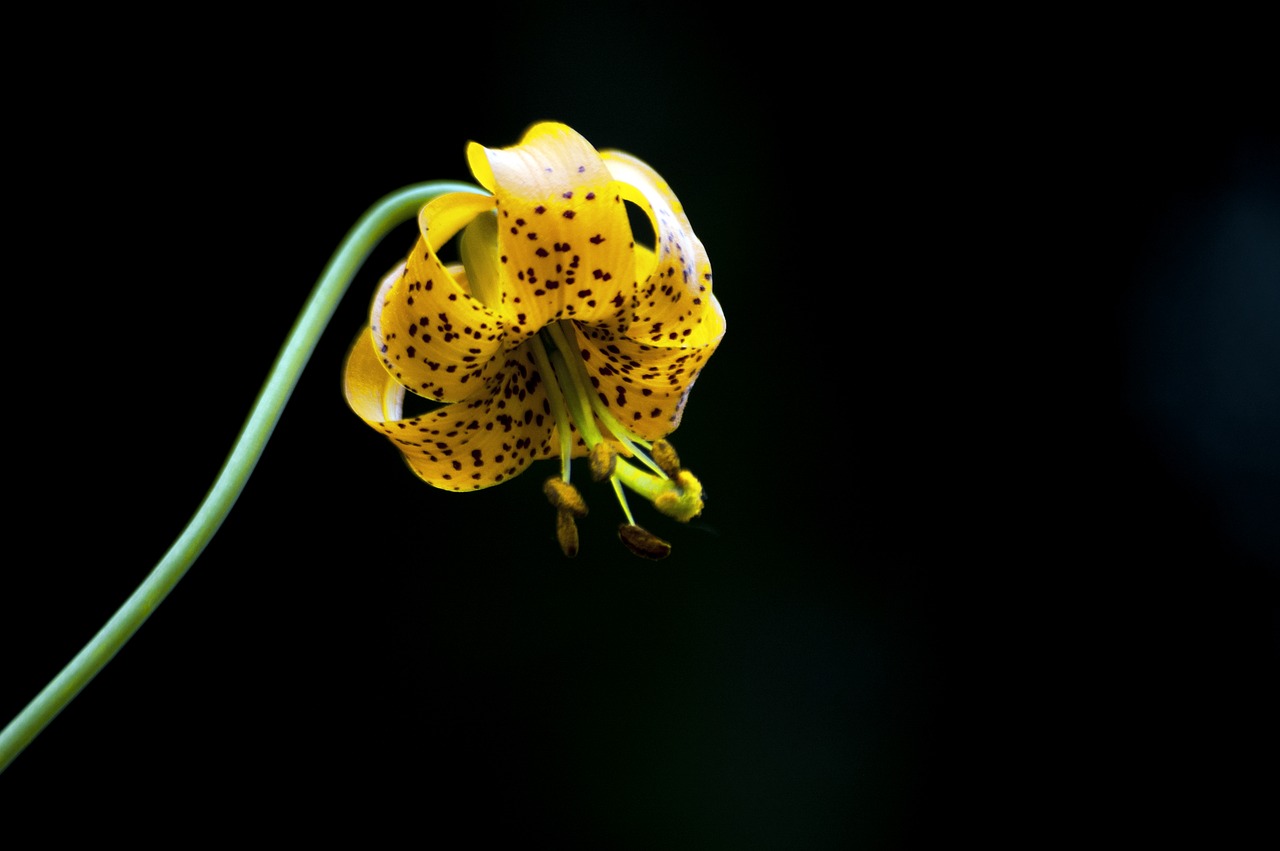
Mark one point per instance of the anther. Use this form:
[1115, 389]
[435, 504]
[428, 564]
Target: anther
[564, 496]
[664, 455]
[567, 532]
[603, 459]
[642, 542]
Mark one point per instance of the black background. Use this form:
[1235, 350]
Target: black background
[990, 445]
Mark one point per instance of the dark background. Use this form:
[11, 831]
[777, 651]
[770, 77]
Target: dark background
[990, 446]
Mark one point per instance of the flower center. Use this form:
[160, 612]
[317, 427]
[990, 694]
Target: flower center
[614, 452]
[672, 489]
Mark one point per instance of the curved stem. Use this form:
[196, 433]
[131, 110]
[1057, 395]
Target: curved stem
[379, 220]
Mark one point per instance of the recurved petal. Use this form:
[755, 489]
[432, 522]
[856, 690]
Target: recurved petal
[645, 387]
[433, 335]
[370, 390]
[673, 301]
[468, 445]
[563, 237]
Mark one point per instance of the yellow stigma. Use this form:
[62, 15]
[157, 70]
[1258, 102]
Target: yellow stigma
[683, 499]
[679, 497]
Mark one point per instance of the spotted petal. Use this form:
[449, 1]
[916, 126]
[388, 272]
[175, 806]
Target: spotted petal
[464, 446]
[674, 307]
[644, 375]
[434, 336]
[644, 387]
[564, 240]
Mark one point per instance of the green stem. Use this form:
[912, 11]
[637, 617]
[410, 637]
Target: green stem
[379, 220]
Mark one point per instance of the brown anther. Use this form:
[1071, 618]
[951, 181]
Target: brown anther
[564, 496]
[642, 542]
[664, 455]
[567, 532]
[602, 460]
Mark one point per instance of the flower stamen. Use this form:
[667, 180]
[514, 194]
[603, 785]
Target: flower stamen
[664, 455]
[562, 333]
[642, 542]
[672, 489]
[603, 459]
[567, 533]
[559, 409]
[564, 497]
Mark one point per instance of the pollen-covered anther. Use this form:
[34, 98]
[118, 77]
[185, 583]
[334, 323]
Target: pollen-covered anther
[567, 532]
[603, 459]
[642, 542]
[564, 497]
[664, 455]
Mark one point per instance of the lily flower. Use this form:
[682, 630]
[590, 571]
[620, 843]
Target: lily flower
[558, 336]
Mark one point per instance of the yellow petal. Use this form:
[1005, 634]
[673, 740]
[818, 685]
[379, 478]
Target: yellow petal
[371, 392]
[468, 445]
[563, 239]
[435, 337]
[644, 387]
[674, 306]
